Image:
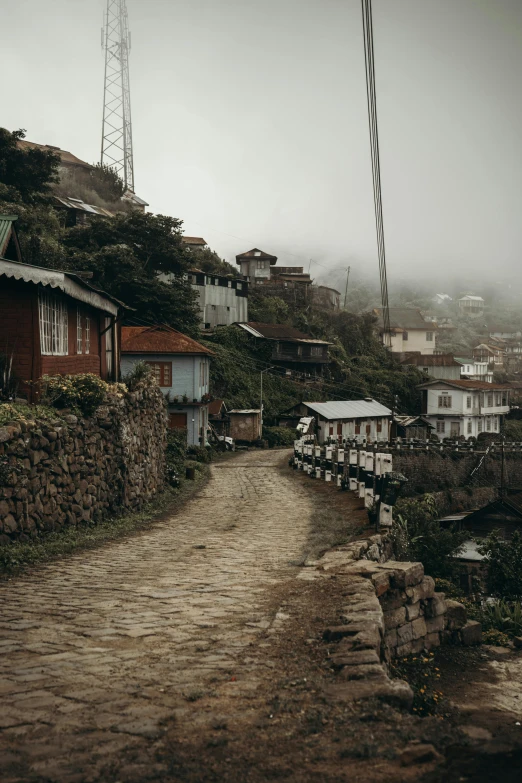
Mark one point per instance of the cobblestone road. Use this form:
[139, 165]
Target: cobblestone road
[101, 651]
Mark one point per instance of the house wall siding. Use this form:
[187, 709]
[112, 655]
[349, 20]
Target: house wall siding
[18, 329]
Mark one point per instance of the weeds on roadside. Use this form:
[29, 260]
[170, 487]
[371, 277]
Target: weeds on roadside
[423, 675]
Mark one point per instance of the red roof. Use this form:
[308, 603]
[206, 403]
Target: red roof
[431, 360]
[158, 339]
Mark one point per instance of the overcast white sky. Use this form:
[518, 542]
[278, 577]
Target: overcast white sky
[250, 120]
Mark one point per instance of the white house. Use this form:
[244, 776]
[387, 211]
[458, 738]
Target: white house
[410, 331]
[181, 366]
[441, 299]
[472, 306]
[464, 408]
[350, 420]
[475, 369]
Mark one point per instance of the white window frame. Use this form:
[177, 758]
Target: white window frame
[54, 324]
[488, 423]
[109, 346]
[79, 331]
[468, 402]
[445, 401]
[441, 427]
[429, 337]
[470, 428]
[87, 334]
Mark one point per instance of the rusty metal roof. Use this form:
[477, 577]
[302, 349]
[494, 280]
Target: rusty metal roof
[279, 332]
[159, 339]
[6, 226]
[77, 203]
[215, 407]
[432, 360]
[193, 240]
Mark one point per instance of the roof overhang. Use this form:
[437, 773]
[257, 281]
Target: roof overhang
[64, 281]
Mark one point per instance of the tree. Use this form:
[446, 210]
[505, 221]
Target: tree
[208, 261]
[26, 173]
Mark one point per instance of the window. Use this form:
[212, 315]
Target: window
[87, 334]
[228, 309]
[316, 350]
[490, 399]
[468, 402]
[441, 426]
[299, 350]
[470, 428]
[162, 371]
[79, 331]
[54, 325]
[444, 401]
[488, 423]
[498, 398]
[379, 425]
[109, 350]
[429, 336]
[405, 335]
[479, 426]
[260, 264]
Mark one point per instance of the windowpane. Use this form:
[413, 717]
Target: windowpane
[79, 331]
[54, 337]
[87, 334]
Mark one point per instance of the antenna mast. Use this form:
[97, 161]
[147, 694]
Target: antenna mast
[116, 148]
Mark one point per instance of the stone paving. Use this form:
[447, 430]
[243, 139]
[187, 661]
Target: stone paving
[100, 651]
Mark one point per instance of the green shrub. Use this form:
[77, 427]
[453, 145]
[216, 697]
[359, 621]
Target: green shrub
[80, 392]
[279, 436]
[417, 536]
[449, 588]
[175, 454]
[501, 616]
[141, 371]
[504, 562]
[199, 454]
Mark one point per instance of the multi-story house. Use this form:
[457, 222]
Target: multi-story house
[255, 265]
[409, 330]
[472, 306]
[475, 369]
[464, 408]
[181, 367]
[291, 349]
[222, 301]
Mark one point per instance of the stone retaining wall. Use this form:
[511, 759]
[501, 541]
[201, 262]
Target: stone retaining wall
[391, 610]
[73, 470]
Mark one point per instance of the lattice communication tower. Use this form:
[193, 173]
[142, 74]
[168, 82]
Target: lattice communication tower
[116, 150]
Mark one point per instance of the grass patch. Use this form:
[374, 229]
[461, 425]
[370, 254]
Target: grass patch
[17, 556]
[329, 528]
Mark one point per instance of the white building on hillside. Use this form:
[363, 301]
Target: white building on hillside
[350, 420]
[409, 329]
[474, 369]
[472, 306]
[464, 408]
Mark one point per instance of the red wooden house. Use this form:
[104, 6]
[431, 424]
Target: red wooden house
[53, 322]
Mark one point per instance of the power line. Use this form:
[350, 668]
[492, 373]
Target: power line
[376, 168]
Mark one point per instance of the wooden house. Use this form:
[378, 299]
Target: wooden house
[52, 322]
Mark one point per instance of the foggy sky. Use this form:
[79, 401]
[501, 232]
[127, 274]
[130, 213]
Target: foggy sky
[249, 121]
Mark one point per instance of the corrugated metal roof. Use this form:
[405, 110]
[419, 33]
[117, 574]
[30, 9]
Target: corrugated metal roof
[249, 410]
[407, 421]
[158, 339]
[67, 282]
[77, 203]
[348, 409]
[468, 298]
[6, 224]
[278, 332]
[214, 407]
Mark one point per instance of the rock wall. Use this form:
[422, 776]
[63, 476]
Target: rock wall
[70, 470]
[391, 610]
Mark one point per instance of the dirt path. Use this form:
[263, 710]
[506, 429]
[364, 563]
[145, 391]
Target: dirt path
[103, 651]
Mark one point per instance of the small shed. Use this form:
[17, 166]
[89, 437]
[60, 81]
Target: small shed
[217, 416]
[411, 427]
[245, 425]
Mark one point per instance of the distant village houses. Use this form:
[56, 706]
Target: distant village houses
[471, 306]
[292, 350]
[464, 408]
[340, 420]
